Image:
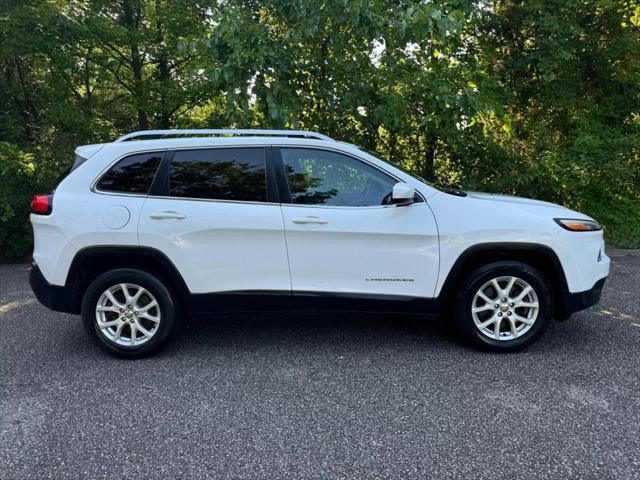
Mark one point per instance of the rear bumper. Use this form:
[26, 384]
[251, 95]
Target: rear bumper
[574, 302]
[54, 297]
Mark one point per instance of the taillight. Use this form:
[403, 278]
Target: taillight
[42, 204]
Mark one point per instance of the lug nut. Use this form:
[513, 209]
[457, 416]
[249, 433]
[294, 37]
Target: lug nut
[122, 310]
[509, 312]
[511, 304]
[497, 305]
[499, 314]
[504, 299]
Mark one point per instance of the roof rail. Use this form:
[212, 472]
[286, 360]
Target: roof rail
[154, 134]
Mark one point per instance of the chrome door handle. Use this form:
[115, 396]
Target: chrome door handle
[167, 216]
[310, 220]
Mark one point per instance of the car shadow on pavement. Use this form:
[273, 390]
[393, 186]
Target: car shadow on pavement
[300, 329]
[335, 331]
[295, 333]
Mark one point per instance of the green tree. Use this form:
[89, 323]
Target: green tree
[537, 98]
[18, 181]
[569, 75]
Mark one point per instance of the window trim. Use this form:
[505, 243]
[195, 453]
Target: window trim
[283, 183]
[94, 186]
[277, 194]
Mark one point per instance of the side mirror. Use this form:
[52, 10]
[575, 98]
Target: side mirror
[403, 194]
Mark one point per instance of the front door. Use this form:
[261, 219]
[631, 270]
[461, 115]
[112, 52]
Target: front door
[343, 235]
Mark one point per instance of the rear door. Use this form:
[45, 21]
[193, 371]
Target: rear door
[342, 234]
[212, 213]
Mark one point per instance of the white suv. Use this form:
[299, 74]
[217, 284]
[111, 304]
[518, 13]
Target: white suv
[183, 222]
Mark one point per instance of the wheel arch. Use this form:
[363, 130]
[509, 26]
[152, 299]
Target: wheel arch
[90, 262]
[539, 256]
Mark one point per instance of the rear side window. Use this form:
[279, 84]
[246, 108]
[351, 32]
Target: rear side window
[133, 174]
[219, 174]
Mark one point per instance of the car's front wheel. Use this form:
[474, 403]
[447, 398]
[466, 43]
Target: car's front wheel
[503, 306]
[128, 313]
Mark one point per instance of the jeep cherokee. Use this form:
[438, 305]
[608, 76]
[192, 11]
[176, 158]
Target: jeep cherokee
[167, 223]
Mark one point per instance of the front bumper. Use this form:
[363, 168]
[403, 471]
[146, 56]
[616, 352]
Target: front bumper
[574, 302]
[51, 296]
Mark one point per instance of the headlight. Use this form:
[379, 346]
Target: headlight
[578, 225]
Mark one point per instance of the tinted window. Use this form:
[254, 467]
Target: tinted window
[133, 174]
[328, 178]
[219, 174]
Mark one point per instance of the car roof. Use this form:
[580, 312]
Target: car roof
[204, 141]
[120, 148]
[208, 138]
[166, 139]
[146, 140]
[238, 132]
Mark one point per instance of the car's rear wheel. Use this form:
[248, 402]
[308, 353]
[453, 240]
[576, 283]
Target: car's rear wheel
[128, 313]
[503, 306]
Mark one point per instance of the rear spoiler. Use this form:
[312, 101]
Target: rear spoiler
[85, 152]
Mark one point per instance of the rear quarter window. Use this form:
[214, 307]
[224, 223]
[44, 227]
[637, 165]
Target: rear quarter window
[132, 174]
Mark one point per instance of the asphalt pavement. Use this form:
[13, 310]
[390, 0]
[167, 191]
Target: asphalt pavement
[321, 396]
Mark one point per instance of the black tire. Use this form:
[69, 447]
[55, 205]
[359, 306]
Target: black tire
[168, 310]
[476, 279]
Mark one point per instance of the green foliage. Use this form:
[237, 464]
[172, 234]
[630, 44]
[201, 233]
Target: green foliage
[570, 80]
[538, 98]
[17, 184]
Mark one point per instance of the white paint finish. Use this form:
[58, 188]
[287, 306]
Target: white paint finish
[77, 221]
[482, 218]
[368, 250]
[49, 245]
[222, 246]
[87, 151]
[403, 191]
[219, 246]
[578, 254]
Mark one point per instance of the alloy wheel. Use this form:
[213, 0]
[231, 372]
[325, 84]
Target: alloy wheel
[128, 314]
[505, 308]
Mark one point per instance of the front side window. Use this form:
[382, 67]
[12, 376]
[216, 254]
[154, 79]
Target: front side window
[320, 177]
[219, 174]
[132, 174]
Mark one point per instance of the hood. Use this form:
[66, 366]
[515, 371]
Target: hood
[509, 199]
[538, 206]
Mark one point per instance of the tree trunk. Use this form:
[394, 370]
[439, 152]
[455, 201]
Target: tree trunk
[429, 166]
[393, 146]
[27, 106]
[87, 82]
[163, 68]
[131, 22]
